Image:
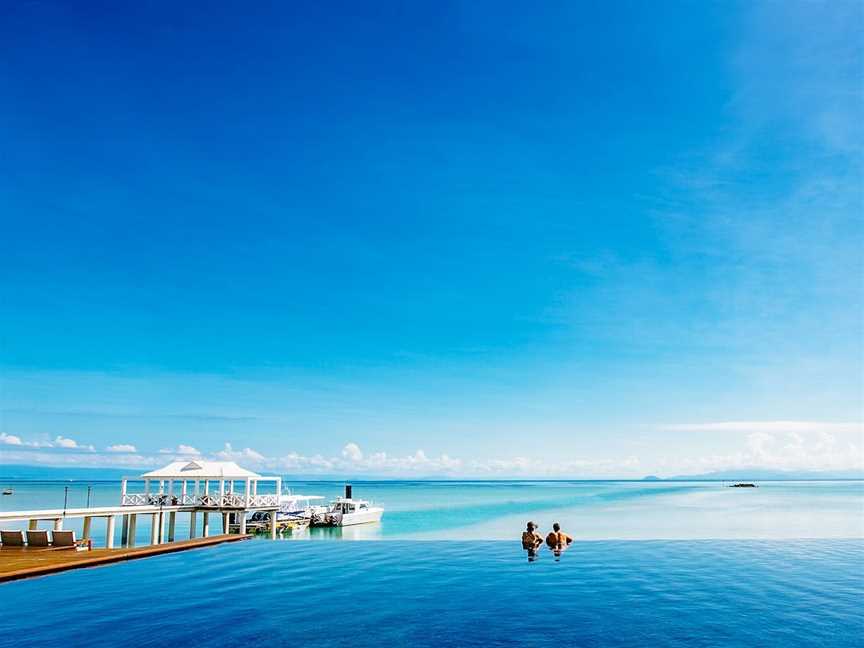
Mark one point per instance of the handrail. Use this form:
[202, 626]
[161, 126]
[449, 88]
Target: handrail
[208, 500]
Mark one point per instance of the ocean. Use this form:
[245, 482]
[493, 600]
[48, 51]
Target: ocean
[654, 563]
[498, 510]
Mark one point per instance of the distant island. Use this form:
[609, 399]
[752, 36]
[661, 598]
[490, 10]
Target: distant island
[763, 474]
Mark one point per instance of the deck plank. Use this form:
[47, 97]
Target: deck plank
[16, 563]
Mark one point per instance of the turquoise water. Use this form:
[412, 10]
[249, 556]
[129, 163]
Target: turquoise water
[589, 510]
[603, 593]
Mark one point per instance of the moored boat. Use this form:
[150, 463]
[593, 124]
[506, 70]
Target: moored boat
[347, 511]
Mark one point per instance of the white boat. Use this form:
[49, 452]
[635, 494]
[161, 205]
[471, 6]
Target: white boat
[347, 511]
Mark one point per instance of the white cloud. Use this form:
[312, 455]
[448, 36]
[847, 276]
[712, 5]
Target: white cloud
[766, 426]
[181, 449]
[70, 444]
[10, 439]
[229, 454]
[121, 447]
[14, 440]
[352, 452]
[791, 451]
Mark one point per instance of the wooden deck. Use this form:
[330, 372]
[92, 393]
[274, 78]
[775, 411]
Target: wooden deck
[16, 563]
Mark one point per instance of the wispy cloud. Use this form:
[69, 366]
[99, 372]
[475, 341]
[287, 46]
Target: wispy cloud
[123, 414]
[766, 426]
[181, 450]
[59, 442]
[819, 451]
[71, 444]
[10, 439]
[121, 447]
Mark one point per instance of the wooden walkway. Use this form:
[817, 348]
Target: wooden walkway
[16, 563]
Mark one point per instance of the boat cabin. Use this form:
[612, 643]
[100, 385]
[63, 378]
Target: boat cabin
[345, 505]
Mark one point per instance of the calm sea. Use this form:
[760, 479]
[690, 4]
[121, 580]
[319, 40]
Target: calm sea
[589, 510]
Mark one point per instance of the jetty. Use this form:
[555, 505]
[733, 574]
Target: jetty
[197, 487]
[19, 563]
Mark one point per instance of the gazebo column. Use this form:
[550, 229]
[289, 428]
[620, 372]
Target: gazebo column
[133, 527]
[161, 527]
[109, 532]
[193, 519]
[225, 522]
[183, 492]
[58, 524]
[248, 493]
[154, 529]
[170, 490]
[146, 491]
[124, 532]
[205, 526]
[242, 521]
[88, 521]
[172, 519]
[123, 488]
[273, 525]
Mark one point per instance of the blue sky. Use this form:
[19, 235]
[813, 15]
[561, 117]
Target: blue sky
[433, 239]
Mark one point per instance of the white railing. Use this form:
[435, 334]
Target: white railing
[264, 500]
[210, 500]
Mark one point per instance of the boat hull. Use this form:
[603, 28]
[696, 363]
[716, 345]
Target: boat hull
[349, 519]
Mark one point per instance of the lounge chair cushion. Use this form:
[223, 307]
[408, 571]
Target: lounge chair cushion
[64, 538]
[37, 538]
[14, 538]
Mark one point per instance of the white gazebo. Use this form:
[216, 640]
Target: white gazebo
[206, 486]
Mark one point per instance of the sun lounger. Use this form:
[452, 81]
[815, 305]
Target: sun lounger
[37, 538]
[66, 540]
[12, 538]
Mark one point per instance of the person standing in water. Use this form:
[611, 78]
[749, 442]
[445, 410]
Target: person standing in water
[531, 540]
[557, 539]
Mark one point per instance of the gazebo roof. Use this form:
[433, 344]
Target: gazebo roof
[200, 469]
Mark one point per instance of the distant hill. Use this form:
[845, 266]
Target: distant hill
[764, 474]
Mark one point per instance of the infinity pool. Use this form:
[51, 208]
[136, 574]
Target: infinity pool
[438, 593]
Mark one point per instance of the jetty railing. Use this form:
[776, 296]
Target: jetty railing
[207, 500]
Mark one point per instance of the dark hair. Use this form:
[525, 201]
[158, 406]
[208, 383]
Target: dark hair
[556, 527]
[530, 526]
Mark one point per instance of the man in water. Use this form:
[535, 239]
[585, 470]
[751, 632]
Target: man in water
[531, 540]
[557, 539]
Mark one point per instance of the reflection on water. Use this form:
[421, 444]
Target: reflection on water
[370, 531]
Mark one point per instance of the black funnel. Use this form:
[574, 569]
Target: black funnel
[347, 491]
